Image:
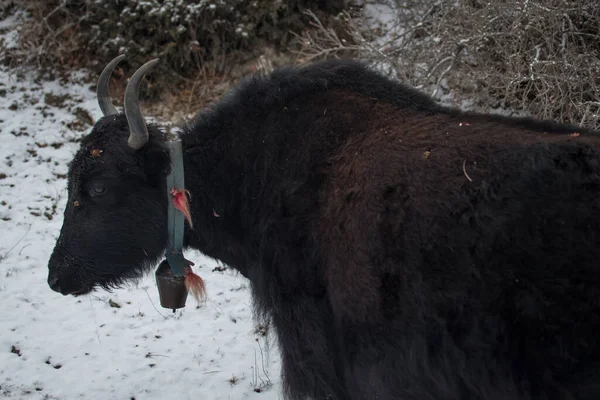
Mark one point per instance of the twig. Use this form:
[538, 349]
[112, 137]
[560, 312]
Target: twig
[263, 361]
[24, 247]
[95, 321]
[151, 354]
[149, 298]
[443, 60]
[16, 244]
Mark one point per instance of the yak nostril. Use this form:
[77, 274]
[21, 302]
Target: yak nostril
[53, 282]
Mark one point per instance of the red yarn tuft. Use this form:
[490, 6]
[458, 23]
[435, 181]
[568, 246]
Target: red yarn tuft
[195, 285]
[180, 201]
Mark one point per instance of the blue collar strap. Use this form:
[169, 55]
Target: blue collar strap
[176, 219]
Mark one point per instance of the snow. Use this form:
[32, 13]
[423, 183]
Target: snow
[9, 34]
[381, 14]
[55, 347]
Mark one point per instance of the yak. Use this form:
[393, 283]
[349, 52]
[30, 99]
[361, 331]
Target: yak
[401, 249]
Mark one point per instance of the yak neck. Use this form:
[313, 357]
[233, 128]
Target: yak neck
[214, 181]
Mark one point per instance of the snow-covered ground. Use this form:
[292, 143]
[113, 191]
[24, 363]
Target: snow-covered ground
[119, 345]
[55, 347]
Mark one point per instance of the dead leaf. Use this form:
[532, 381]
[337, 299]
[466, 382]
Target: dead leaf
[95, 152]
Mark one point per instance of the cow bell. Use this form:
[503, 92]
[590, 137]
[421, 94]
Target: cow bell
[171, 288]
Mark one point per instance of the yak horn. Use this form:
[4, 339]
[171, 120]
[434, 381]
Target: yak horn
[102, 87]
[138, 131]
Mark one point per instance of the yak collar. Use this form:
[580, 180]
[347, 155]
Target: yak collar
[176, 219]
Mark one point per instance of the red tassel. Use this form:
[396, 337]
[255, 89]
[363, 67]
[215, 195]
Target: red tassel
[180, 201]
[195, 285]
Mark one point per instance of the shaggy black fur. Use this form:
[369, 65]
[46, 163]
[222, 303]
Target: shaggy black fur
[402, 250]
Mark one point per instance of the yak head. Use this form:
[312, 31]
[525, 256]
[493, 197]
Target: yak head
[115, 221]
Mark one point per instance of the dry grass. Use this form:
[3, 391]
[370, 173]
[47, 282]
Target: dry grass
[536, 57]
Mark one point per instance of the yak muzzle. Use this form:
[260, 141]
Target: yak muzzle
[61, 277]
[54, 281]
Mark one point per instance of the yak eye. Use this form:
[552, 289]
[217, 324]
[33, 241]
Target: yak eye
[97, 189]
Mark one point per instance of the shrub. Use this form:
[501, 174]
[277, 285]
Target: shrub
[190, 37]
[537, 57]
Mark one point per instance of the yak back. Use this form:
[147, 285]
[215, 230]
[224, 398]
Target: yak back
[474, 236]
[419, 236]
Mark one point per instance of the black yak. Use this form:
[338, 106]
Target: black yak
[401, 249]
